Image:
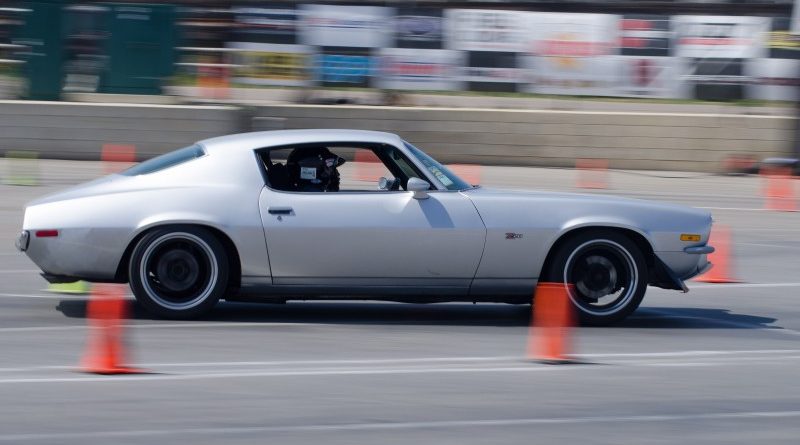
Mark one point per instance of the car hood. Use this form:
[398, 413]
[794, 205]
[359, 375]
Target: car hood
[582, 200]
[506, 210]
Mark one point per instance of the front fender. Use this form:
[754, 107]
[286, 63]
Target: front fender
[600, 222]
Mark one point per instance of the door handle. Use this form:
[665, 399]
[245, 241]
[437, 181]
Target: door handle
[279, 210]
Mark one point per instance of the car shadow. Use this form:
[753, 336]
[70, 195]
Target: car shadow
[695, 318]
[449, 314]
[377, 313]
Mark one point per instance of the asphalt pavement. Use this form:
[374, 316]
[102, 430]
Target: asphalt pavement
[718, 365]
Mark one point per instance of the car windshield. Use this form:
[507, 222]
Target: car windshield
[439, 171]
[165, 161]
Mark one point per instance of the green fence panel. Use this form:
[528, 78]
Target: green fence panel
[141, 48]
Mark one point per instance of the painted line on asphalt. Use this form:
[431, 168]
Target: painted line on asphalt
[693, 353]
[710, 354]
[43, 328]
[740, 285]
[766, 229]
[378, 426]
[296, 362]
[708, 361]
[187, 325]
[736, 209]
[46, 296]
[771, 246]
[522, 367]
[270, 373]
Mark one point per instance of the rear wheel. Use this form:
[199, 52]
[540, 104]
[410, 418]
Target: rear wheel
[609, 274]
[178, 272]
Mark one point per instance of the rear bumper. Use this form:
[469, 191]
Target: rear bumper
[22, 241]
[77, 254]
[58, 279]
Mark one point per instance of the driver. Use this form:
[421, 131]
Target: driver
[314, 169]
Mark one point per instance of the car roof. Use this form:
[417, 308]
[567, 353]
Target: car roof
[263, 139]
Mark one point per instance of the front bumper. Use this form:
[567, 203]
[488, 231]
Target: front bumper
[699, 250]
[671, 269]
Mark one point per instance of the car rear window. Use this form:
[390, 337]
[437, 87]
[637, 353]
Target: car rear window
[170, 159]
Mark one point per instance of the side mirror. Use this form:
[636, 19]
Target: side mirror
[419, 187]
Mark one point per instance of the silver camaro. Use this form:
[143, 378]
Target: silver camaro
[274, 216]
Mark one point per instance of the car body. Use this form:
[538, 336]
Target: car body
[208, 222]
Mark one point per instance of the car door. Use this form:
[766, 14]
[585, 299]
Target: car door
[367, 238]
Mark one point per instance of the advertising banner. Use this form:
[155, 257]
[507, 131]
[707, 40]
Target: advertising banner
[645, 35]
[569, 54]
[773, 79]
[493, 71]
[271, 64]
[781, 43]
[344, 67]
[419, 69]
[731, 37]
[277, 24]
[346, 26]
[643, 76]
[418, 28]
[485, 30]
[717, 79]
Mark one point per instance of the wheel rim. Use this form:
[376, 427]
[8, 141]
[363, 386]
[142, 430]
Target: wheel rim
[178, 270]
[604, 276]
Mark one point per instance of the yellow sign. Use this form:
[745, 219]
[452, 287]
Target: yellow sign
[278, 66]
[783, 39]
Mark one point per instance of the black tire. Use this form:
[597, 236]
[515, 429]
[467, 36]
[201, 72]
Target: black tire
[609, 274]
[178, 272]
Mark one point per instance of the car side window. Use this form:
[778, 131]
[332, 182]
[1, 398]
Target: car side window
[165, 161]
[337, 168]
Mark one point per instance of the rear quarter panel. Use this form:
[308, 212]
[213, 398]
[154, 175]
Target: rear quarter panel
[97, 221]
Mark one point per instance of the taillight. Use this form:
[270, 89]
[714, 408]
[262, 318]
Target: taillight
[49, 233]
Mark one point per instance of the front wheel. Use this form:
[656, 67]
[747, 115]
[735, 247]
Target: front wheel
[609, 274]
[178, 272]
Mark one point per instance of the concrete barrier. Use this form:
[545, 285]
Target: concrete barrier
[628, 139]
[68, 130]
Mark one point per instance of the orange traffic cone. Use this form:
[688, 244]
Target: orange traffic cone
[721, 258]
[368, 167]
[592, 173]
[213, 78]
[117, 157]
[552, 319]
[105, 350]
[779, 189]
[468, 172]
